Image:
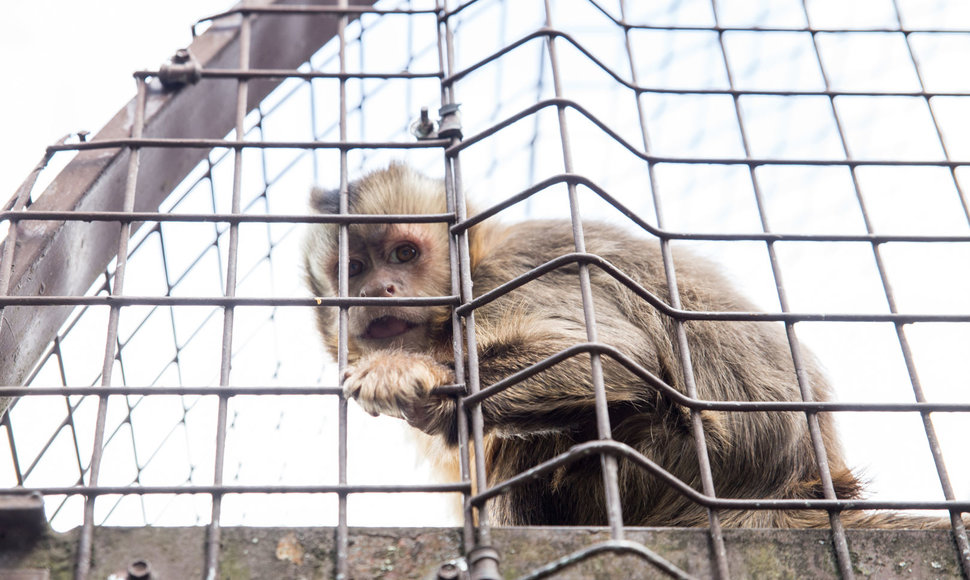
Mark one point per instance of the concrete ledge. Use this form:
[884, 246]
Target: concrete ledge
[406, 553]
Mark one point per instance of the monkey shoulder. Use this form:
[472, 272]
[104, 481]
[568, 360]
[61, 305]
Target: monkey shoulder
[534, 242]
[530, 244]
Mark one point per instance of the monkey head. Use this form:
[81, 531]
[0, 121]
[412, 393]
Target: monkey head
[385, 261]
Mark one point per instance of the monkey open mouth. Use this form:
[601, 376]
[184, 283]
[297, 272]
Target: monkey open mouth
[387, 327]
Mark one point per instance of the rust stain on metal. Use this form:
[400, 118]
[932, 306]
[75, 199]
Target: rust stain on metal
[289, 548]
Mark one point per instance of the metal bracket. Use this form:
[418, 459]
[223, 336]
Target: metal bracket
[21, 517]
[483, 563]
[181, 70]
[448, 125]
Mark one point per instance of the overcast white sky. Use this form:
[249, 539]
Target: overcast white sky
[67, 67]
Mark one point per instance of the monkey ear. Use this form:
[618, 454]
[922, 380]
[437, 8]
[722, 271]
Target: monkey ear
[325, 201]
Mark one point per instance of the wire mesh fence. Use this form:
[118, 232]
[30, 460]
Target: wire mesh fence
[160, 342]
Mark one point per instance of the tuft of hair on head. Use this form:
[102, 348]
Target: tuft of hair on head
[396, 189]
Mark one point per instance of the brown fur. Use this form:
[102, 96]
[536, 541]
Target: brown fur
[753, 455]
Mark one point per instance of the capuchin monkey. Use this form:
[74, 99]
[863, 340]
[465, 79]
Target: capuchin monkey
[398, 355]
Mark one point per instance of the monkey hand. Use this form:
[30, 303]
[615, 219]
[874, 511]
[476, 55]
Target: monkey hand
[397, 384]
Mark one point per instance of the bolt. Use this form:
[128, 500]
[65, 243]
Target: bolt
[182, 56]
[448, 571]
[139, 570]
[423, 128]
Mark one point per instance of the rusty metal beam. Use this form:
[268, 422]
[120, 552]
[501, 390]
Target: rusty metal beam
[63, 258]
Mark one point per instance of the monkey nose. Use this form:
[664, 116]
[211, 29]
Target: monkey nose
[379, 291]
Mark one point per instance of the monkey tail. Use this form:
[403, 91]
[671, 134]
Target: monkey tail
[870, 520]
[848, 486]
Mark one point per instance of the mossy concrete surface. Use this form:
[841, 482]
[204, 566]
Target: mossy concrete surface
[417, 553]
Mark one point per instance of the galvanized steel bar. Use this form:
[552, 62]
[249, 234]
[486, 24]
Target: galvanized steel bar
[718, 550]
[483, 560]
[281, 74]
[454, 200]
[960, 537]
[956, 517]
[695, 160]
[585, 450]
[343, 275]
[451, 300]
[223, 489]
[214, 531]
[136, 216]
[226, 391]
[961, 194]
[611, 487]
[203, 143]
[839, 540]
[221, 301]
[611, 547]
[662, 233]
[86, 538]
[459, 389]
[548, 32]
[234, 144]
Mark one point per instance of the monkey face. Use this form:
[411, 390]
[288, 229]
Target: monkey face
[394, 261]
[385, 261]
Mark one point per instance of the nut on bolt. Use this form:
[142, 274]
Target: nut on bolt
[182, 69]
[449, 124]
[182, 56]
[449, 571]
[139, 570]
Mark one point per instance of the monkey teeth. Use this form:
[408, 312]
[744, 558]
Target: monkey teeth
[387, 327]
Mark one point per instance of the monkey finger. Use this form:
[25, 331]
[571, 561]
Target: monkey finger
[351, 390]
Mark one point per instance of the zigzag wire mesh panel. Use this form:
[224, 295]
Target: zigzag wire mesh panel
[816, 151]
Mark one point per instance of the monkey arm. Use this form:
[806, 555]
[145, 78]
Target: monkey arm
[559, 398]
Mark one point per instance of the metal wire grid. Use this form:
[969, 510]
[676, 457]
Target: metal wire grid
[549, 94]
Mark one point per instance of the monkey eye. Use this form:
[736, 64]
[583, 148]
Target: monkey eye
[404, 253]
[354, 267]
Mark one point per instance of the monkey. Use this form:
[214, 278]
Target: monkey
[398, 355]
